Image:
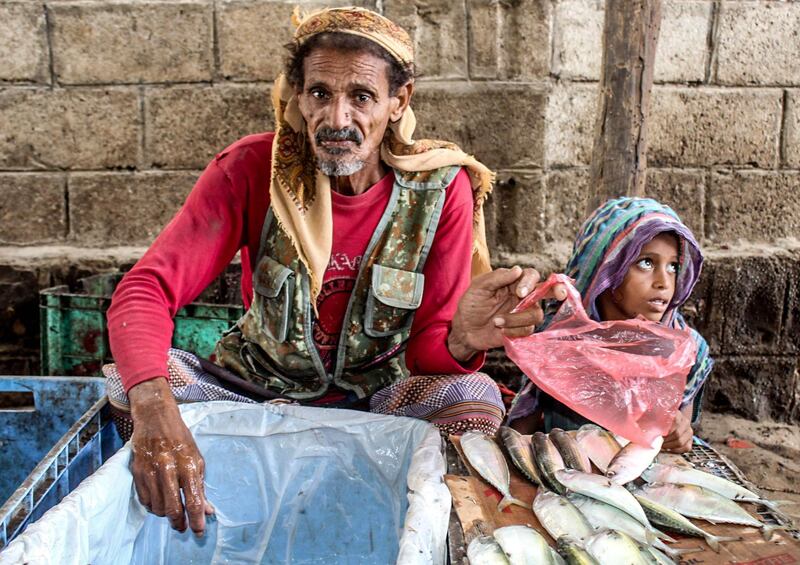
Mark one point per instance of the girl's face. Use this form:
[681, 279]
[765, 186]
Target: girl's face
[649, 284]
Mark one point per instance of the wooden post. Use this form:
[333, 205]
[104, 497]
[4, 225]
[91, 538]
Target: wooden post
[619, 154]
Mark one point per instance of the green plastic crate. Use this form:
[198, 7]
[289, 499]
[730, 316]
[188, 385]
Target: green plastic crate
[74, 332]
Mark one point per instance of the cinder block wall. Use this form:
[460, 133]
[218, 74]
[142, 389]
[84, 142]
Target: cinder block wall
[110, 109]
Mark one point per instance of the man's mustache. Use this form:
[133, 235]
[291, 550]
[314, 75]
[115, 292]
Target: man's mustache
[344, 134]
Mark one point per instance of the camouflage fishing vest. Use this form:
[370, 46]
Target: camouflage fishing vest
[273, 346]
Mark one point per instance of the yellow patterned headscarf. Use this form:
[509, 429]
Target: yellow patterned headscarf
[300, 193]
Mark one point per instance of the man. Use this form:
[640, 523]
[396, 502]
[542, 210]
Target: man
[356, 249]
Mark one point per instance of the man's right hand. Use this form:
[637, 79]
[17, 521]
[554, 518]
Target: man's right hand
[166, 459]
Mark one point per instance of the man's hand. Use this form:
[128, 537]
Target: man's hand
[166, 459]
[484, 313]
[679, 439]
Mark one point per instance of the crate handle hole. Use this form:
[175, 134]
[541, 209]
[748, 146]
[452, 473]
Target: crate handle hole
[17, 401]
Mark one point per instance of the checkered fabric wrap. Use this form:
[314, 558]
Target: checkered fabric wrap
[453, 403]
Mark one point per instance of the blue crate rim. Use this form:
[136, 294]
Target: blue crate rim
[56, 462]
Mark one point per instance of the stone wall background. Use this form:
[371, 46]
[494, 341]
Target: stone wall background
[109, 110]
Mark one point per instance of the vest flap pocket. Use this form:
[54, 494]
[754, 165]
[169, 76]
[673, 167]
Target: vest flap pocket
[270, 277]
[274, 286]
[397, 288]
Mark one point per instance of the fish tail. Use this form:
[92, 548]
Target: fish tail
[508, 500]
[774, 504]
[714, 541]
[768, 530]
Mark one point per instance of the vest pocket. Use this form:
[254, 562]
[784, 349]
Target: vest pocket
[274, 283]
[393, 297]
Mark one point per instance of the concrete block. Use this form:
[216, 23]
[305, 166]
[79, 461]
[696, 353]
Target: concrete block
[791, 132]
[509, 40]
[81, 128]
[252, 35]
[439, 31]
[32, 208]
[132, 41]
[571, 114]
[791, 323]
[23, 43]
[702, 312]
[514, 212]
[757, 43]
[682, 49]
[751, 290]
[578, 38]
[753, 205]
[565, 204]
[682, 43]
[755, 387]
[502, 125]
[682, 190]
[710, 126]
[124, 208]
[187, 126]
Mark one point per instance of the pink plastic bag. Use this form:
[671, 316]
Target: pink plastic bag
[627, 375]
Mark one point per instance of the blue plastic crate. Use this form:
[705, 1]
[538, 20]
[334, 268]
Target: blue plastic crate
[54, 432]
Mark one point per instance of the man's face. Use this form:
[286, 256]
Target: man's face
[347, 106]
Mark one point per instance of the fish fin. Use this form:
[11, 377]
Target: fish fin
[675, 552]
[714, 541]
[768, 530]
[774, 504]
[508, 500]
[661, 535]
[650, 536]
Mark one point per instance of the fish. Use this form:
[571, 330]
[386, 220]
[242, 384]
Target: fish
[484, 550]
[574, 553]
[521, 452]
[601, 488]
[611, 547]
[548, 460]
[525, 546]
[601, 515]
[488, 460]
[697, 502]
[598, 444]
[667, 518]
[570, 452]
[662, 473]
[560, 517]
[632, 460]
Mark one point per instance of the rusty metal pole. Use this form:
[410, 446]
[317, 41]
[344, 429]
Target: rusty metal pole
[619, 153]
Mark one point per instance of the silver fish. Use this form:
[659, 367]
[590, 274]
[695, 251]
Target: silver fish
[661, 473]
[610, 547]
[598, 444]
[484, 550]
[632, 460]
[560, 517]
[696, 502]
[602, 515]
[574, 553]
[548, 460]
[487, 459]
[601, 488]
[570, 452]
[660, 515]
[521, 452]
[524, 546]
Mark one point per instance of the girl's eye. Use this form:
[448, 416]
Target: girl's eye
[672, 268]
[645, 264]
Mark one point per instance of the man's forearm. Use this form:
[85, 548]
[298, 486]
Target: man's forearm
[150, 396]
[458, 345]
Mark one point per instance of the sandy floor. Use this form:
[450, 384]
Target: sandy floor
[772, 462]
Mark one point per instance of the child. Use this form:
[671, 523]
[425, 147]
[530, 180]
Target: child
[632, 257]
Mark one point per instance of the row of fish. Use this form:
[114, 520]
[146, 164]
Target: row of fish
[575, 505]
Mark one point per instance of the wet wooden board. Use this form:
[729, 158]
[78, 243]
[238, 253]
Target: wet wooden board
[475, 503]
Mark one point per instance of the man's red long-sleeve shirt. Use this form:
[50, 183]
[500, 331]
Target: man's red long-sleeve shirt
[225, 213]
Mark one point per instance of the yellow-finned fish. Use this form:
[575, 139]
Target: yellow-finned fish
[488, 460]
[521, 452]
[598, 444]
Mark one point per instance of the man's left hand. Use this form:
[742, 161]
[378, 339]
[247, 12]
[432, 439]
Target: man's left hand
[484, 313]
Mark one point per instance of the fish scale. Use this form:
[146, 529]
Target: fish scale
[488, 460]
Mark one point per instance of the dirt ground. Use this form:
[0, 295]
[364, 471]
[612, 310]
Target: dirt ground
[768, 453]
